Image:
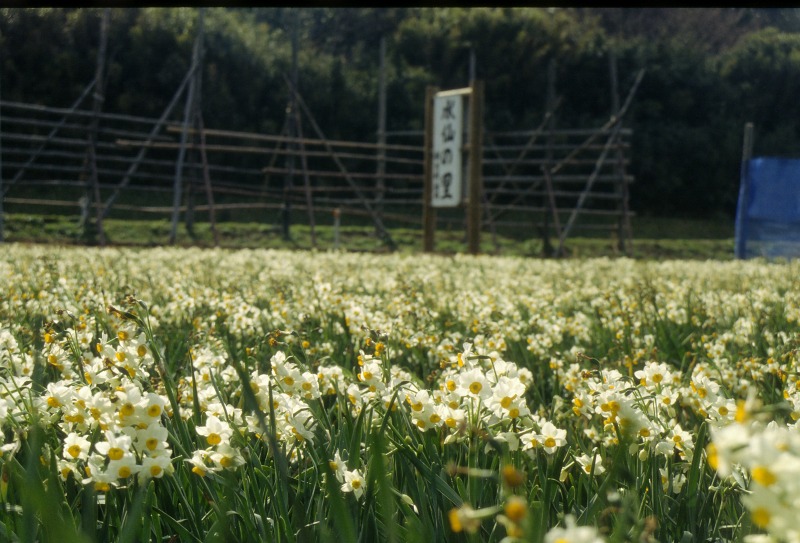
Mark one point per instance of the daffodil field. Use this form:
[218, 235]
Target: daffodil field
[209, 395]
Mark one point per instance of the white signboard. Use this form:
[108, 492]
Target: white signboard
[448, 117]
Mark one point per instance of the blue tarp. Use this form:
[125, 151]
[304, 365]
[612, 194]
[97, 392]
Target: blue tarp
[768, 215]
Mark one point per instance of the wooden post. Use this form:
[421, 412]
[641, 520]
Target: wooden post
[744, 190]
[2, 189]
[624, 234]
[337, 217]
[547, 247]
[188, 109]
[612, 68]
[428, 212]
[747, 144]
[292, 132]
[380, 182]
[475, 168]
[306, 180]
[93, 190]
[212, 215]
[472, 65]
[278, 142]
[195, 125]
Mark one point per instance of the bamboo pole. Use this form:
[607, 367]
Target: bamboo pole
[475, 168]
[551, 205]
[263, 151]
[189, 108]
[99, 98]
[582, 198]
[292, 118]
[70, 112]
[547, 247]
[79, 127]
[382, 232]
[308, 141]
[380, 181]
[624, 232]
[2, 191]
[428, 211]
[212, 216]
[740, 250]
[306, 182]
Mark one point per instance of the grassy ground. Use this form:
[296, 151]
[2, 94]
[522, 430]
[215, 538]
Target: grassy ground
[654, 238]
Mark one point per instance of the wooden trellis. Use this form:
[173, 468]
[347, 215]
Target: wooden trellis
[557, 176]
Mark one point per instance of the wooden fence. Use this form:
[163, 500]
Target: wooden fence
[545, 181]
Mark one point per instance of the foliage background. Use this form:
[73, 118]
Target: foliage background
[709, 70]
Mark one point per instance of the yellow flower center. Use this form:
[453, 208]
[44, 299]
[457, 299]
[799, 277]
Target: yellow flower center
[761, 517]
[74, 451]
[154, 410]
[214, 439]
[115, 453]
[549, 442]
[763, 476]
[741, 412]
[151, 444]
[713, 457]
[516, 509]
[475, 387]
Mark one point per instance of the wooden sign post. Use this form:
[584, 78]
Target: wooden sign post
[453, 127]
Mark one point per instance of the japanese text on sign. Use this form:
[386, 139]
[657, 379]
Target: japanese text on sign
[448, 113]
